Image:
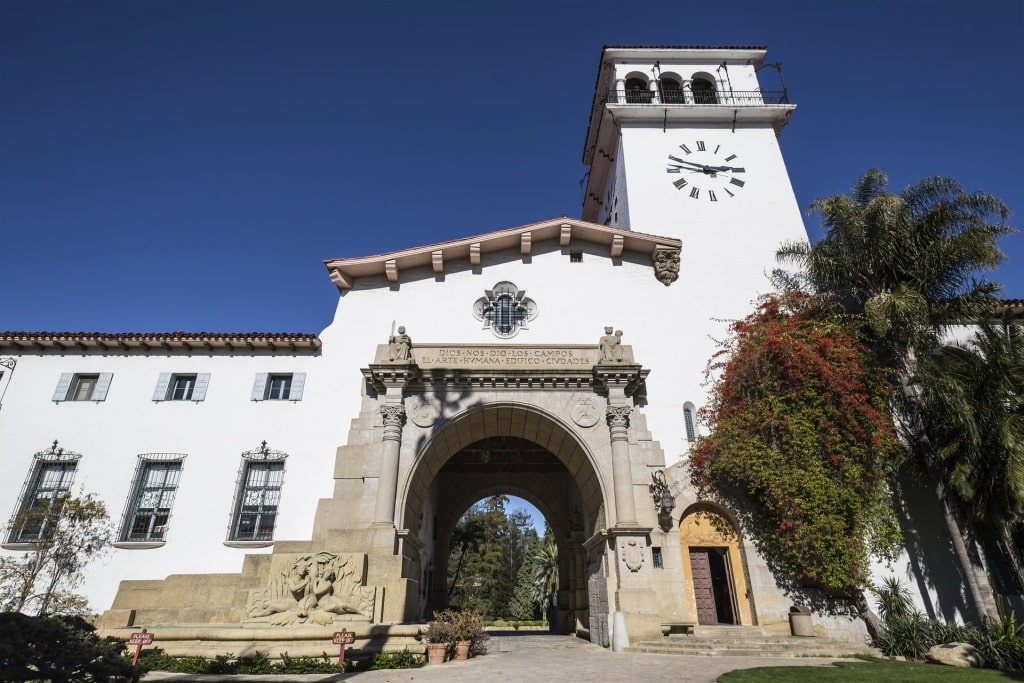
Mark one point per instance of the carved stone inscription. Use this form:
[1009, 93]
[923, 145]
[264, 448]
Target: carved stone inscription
[519, 357]
[313, 589]
[506, 357]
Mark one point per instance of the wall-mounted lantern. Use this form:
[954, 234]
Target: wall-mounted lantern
[664, 501]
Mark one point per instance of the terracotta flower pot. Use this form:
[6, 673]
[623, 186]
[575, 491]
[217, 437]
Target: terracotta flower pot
[462, 650]
[436, 652]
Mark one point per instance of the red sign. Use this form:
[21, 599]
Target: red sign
[344, 637]
[140, 639]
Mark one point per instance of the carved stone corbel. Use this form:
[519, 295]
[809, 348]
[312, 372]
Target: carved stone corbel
[666, 265]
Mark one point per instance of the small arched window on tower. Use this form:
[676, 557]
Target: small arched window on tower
[690, 421]
[637, 90]
[703, 91]
[671, 90]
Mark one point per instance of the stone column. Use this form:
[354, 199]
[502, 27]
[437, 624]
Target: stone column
[622, 476]
[387, 486]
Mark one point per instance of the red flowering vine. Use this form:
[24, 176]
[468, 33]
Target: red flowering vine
[802, 442]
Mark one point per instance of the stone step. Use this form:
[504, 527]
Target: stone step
[751, 647]
[729, 631]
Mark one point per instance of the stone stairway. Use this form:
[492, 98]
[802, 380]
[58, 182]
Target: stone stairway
[748, 641]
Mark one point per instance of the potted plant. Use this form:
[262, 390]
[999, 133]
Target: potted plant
[439, 638]
[475, 631]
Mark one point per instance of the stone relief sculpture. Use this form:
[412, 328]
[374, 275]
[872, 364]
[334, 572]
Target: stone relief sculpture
[611, 346]
[633, 554]
[586, 412]
[315, 589]
[400, 346]
[666, 266]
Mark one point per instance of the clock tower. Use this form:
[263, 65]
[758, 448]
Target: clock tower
[683, 142]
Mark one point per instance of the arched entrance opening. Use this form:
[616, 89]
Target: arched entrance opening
[507, 449]
[500, 565]
[714, 567]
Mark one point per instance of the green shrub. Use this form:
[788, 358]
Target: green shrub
[258, 663]
[1000, 641]
[323, 664]
[63, 649]
[158, 661]
[398, 660]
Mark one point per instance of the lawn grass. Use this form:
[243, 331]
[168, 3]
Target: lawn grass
[868, 671]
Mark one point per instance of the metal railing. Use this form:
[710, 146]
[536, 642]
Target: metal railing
[686, 97]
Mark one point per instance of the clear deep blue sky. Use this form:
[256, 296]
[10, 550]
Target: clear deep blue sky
[188, 165]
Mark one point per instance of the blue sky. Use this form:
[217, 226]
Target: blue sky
[188, 165]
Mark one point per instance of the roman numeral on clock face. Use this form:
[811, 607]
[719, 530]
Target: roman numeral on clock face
[711, 196]
[685, 149]
[700, 146]
[737, 182]
[695, 192]
[680, 184]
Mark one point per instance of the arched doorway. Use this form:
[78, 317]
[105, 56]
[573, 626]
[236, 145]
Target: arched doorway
[514, 449]
[713, 566]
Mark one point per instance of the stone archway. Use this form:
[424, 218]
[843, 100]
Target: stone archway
[714, 569]
[515, 448]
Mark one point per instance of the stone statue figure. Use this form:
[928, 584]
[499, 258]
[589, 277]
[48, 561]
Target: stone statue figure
[314, 589]
[611, 346]
[400, 347]
[607, 344]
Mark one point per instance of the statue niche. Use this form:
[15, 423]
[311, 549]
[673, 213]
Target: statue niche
[313, 589]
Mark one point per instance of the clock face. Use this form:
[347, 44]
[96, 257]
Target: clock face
[706, 172]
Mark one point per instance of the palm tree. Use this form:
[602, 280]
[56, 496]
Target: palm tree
[973, 406]
[907, 263]
[545, 572]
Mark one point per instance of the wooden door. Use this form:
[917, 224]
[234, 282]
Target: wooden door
[703, 589]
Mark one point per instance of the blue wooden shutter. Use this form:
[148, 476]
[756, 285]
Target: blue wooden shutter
[199, 391]
[298, 382]
[63, 384]
[102, 385]
[259, 387]
[164, 381]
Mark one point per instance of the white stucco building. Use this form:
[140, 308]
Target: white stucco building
[260, 452]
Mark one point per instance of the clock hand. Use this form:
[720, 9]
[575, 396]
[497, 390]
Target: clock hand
[699, 169]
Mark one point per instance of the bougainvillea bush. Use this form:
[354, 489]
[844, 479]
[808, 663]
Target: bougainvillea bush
[802, 443]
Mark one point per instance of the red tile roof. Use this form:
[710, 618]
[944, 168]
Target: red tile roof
[148, 341]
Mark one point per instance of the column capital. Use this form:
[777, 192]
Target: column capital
[618, 416]
[393, 414]
[394, 418]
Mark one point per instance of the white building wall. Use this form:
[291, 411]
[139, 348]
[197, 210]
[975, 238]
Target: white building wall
[212, 433]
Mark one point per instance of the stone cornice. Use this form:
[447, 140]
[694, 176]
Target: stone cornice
[566, 231]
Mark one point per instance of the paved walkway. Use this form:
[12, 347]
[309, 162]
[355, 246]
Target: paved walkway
[543, 658]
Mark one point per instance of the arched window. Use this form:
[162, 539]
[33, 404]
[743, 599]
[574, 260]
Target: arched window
[671, 90]
[637, 91]
[690, 421]
[703, 91]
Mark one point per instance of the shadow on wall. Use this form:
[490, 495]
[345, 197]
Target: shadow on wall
[933, 568]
